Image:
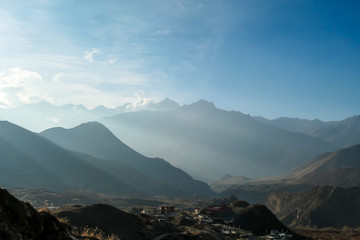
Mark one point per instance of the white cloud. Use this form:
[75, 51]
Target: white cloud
[163, 32]
[17, 77]
[89, 55]
[19, 86]
[54, 120]
[57, 77]
[140, 102]
[110, 60]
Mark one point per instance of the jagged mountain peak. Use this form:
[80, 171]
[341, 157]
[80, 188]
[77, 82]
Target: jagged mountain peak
[200, 105]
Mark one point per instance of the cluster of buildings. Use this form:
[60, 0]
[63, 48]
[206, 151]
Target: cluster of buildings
[220, 218]
[164, 212]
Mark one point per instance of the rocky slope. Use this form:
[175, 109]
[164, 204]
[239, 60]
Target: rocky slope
[339, 168]
[257, 218]
[109, 219]
[19, 221]
[322, 206]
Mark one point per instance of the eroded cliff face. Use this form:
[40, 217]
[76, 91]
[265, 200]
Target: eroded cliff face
[322, 206]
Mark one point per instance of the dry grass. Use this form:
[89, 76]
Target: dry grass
[64, 220]
[329, 233]
[94, 233]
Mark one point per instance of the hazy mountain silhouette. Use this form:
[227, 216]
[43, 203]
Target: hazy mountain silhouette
[101, 110]
[164, 105]
[343, 133]
[152, 175]
[29, 160]
[209, 142]
[340, 133]
[295, 124]
[43, 115]
[227, 181]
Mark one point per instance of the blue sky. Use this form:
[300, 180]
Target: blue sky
[269, 58]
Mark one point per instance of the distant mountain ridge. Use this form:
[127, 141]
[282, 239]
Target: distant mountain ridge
[96, 140]
[209, 142]
[295, 124]
[45, 115]
[342, 133]
[227, 181]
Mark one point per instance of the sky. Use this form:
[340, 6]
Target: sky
[264, 58]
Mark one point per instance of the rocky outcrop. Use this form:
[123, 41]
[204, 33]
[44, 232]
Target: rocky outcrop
[107, 218]
[20, 221]
[257, 218]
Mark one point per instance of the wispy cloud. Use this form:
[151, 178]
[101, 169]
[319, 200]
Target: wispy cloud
[128, 49]
[163, 32]
[54, 120]
[109, 60]
[57, 77]
[89, 55]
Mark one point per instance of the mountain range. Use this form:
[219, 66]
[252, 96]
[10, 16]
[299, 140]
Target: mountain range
[205, 141]
[340, 168]
[342, 133]
[208, 142]
[29, 160]
[295, 124]
[43, 115]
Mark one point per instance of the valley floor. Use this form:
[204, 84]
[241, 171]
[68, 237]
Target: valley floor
[345, 233]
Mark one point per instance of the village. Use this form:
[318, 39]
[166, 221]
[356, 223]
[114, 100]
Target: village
[219, 219]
